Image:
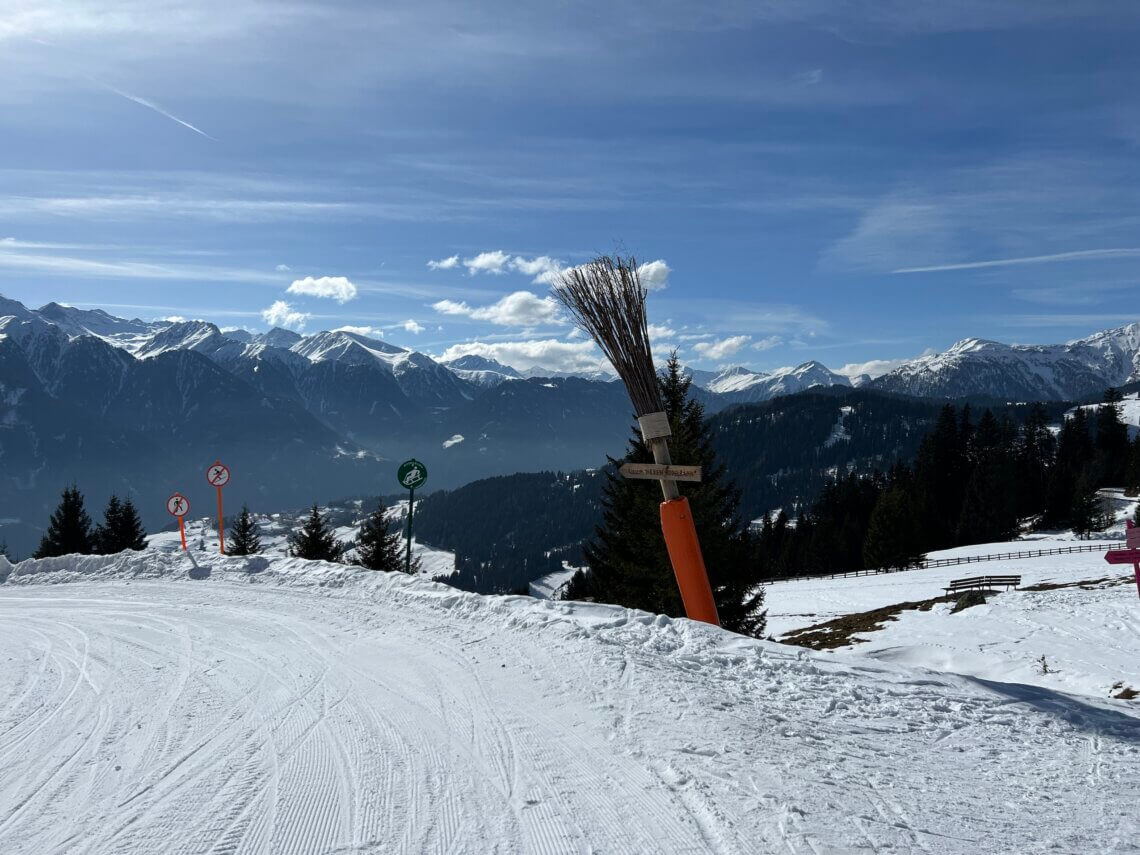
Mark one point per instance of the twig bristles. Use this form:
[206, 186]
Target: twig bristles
[606, 298]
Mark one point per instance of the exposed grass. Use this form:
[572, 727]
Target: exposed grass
[840, 632]
[1085, 584]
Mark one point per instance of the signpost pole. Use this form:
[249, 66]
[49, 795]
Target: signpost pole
[182, 533]
[221, 525]
[218, 475]
[411, 474]
[411, 517]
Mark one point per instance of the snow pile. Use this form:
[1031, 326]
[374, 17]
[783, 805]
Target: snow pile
[278, 705]
[274, 529]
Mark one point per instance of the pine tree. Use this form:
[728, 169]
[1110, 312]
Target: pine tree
[121, 529]
[103, 541]
[315, 540]
[1111, 441]
[1132, 474]
[1085, 515]
[69, 531]
[628, 562]
[132, 535]
[378, 547]
[893, 533]
[941, 473]
[1034, 451]
[245, 539]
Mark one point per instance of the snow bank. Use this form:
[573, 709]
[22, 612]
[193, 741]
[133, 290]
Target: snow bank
[281, 705]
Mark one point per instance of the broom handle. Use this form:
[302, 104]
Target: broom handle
[660, 449]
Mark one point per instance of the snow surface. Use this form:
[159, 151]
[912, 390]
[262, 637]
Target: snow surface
[285, 706]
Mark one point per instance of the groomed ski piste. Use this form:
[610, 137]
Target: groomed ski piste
[275, 705]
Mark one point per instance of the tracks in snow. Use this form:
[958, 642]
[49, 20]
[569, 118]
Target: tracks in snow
[218, 718]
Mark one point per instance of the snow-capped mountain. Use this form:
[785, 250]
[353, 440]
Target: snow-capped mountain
[481, 371]
[738, 385]
[1079, 369]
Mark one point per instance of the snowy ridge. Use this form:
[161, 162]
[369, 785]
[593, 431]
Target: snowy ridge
[746, 385]
[1076, 369]
[291, 706]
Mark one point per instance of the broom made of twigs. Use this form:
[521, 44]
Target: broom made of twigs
[607, 300]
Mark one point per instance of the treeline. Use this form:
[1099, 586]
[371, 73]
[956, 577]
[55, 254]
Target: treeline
[972, 481]
[507, 531]
[783, 452]
[70, 532]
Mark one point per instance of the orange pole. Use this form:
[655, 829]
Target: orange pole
[688, 564]
[182, 531]
[221, 525]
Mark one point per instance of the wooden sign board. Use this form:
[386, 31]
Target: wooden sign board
[660, 472]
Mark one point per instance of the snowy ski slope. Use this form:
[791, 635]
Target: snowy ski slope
[283, 706]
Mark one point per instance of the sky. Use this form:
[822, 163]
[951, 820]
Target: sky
[852, 182]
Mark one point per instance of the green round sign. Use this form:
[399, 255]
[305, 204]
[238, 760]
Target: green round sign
[412, 474]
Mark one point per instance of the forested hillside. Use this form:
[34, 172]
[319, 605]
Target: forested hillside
[782, 452]
[509, 530]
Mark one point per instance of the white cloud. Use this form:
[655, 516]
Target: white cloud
[547, 354]
[660, 331]
[522, 309]
[336, 287]
[487, 262]
[282, 268]
[455, 440]
[281, 314]
[695, 336]
[767, 343]
[444, 263]
[722, 349]
[411, 326]
[174, 319]
[877, 367]
[893, 235]
[357, 330]
[654, 274]
[543, 268]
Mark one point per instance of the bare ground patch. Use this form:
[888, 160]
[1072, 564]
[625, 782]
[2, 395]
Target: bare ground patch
[840, 632]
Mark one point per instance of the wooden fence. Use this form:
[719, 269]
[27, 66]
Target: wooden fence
[927, 563]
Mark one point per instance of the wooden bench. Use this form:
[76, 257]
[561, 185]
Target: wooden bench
[981, 583]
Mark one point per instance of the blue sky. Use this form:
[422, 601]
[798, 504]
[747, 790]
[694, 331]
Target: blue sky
[849, 182]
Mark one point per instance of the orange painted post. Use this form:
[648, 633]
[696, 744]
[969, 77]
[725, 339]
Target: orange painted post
[182, 533]
[218, 476]
[688, 563]
[221, 525]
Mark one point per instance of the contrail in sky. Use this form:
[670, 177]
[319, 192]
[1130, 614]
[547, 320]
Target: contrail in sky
[1031, 259]
[152, 106]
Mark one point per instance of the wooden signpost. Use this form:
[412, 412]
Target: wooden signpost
[411, 474]
[660, 471]
[218, 476]
[1131, 555]
[178, 505]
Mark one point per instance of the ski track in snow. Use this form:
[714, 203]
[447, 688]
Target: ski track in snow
[312, 708]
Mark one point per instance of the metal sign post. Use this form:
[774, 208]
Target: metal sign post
[218, 476]
[177, 505]
[411, 474]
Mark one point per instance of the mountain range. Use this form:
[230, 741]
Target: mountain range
[142, 407]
